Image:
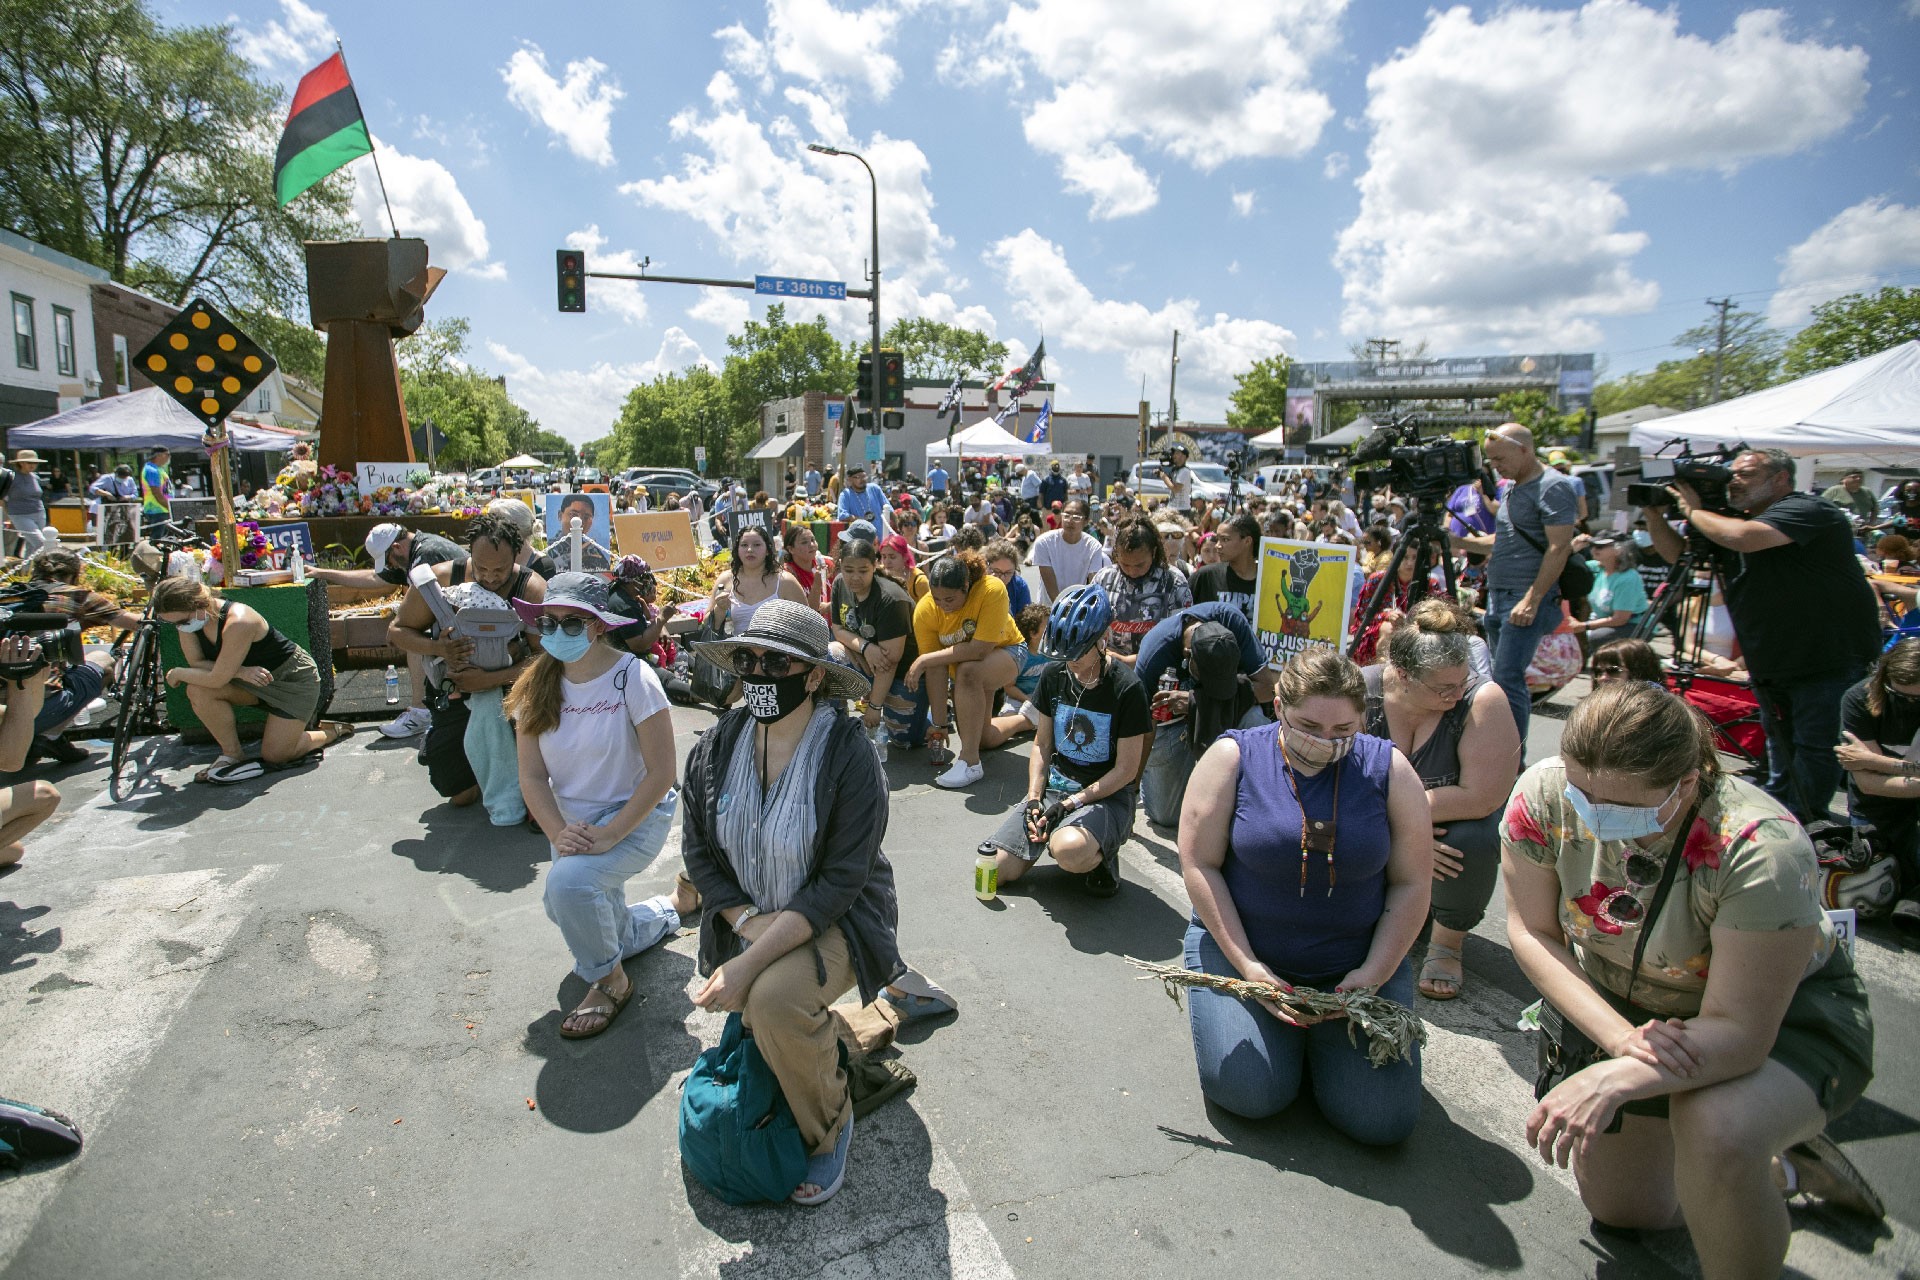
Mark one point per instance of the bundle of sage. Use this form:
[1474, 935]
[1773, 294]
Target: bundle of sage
[1391, 1028]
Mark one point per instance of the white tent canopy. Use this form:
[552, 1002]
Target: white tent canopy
[1855, 415]
[985, 439]
[145, 419]
[1274, 439]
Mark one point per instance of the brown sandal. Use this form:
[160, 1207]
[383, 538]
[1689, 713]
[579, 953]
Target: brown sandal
[607, 1010]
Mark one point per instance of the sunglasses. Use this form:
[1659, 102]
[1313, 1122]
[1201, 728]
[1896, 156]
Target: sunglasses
[1623, 906]
[773, 664]
[571, 626]
[1608, 669]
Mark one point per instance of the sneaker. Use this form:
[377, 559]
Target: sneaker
[414, 720]
[961, 774]
[1101, 882]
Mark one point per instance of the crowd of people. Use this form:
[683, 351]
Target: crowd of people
[1702, 1023]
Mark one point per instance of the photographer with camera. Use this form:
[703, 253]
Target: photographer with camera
[1532, 538]
[23, 689]
[71, 686]
[1805, 617]
[1179, 477]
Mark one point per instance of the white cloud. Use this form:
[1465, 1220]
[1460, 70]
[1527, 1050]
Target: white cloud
[725, 309]
[622, 297]
[812, 40]
[295, 42]
[1850, 254]
[1213, 349]
[1203, 82]
[582, 404]
[1488, 209]
[426, 203]
[577, 109]
[779, 209]
[1243, 203]
[1335, 165]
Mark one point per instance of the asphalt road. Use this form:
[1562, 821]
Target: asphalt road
[309, 1028]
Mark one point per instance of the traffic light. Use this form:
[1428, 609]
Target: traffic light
[863, 380]
[893, 380]
[893, 419]
[571, 267]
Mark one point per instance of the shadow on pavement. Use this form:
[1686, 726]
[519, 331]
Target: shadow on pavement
[1445, 1177]
[1134, 922]
[600, 1084]
[887, 1220]
[461, 842]
[19, 945]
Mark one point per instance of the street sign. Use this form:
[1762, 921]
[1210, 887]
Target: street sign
[874, 450]
[700, 458]
[792, 287]
[835, 410]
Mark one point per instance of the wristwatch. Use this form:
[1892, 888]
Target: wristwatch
[749, 913]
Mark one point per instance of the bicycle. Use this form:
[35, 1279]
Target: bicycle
[138, 686]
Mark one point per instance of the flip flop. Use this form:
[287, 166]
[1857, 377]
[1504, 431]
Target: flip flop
[1846, 1187]
[226, 770]
[608, 1009]
[1437, 952]
[337, 731]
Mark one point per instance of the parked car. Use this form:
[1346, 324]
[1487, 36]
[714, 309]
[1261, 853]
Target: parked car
[486, 478]
[1210, 480]
[587, 475]
[662, 482]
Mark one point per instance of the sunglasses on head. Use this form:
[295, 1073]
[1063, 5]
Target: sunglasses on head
[773, 664]
[571, 626]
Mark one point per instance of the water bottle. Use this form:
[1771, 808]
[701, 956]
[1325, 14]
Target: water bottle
[986, 877]
[880, 735]
[393, 686]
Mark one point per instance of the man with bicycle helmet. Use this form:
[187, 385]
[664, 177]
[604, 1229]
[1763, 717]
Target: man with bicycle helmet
[1091, 725]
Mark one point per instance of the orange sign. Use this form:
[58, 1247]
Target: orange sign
[664, 539]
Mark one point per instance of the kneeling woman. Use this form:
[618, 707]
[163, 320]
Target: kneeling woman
[786, 808]
[236, 658]
[596, 769]
[1669, 913]
[969, 645]
[1307, 849]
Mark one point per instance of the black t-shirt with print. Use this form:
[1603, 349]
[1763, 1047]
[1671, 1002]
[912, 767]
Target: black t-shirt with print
[1090, 724]
[1220, 582]
[886, 614]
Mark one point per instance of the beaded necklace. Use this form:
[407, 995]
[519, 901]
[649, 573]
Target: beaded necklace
[1315, 836]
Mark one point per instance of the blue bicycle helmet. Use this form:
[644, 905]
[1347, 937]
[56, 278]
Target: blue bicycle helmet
[1079, 618]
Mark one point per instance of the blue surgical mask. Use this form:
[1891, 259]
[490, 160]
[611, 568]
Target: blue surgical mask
[191, 624]
[1641, 538]
[1618, 821]
[567, 648]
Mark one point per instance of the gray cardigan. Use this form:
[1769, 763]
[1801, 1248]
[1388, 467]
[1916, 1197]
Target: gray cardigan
[851, 883]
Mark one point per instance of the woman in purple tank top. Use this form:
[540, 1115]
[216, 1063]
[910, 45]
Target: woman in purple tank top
[1307, 849]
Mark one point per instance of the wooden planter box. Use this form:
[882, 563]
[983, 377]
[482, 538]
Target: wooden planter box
[351, 531]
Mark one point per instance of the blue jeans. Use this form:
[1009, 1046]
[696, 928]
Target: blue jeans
[908, 728]
[1170, 761]
[586, 896]
[1802, 723]
[78, 686]
[1512, 648]
[1255, 1065]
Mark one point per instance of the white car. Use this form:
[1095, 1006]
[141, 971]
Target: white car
[1210, 481]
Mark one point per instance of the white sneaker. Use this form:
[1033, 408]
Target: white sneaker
[413, 720]
[961, 774]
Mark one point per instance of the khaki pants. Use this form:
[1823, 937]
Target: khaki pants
[787, 1013]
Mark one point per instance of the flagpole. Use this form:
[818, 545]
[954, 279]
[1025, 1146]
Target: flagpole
[373, 152]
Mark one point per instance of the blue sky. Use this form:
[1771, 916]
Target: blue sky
[1293, 175]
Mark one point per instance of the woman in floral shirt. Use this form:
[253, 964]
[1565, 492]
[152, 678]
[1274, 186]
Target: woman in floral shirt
[1745, 1029]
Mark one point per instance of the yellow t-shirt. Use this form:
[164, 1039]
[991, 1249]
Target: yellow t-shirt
[983, 617]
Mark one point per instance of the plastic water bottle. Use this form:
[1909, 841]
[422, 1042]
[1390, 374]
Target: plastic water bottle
[986, 877]
[393, 686]
[879, 735]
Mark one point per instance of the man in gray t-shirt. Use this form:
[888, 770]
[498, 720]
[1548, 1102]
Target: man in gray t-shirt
[1532, 537]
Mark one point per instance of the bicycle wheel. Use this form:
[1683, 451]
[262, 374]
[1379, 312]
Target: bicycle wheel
[136, 702]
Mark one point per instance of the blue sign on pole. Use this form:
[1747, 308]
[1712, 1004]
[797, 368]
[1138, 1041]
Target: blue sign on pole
[283, 538]
[835, 409]
[874, 452]
[792, 287]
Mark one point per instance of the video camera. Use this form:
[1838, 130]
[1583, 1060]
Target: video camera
[1708, 474]
[57, 635]
[1420, 468]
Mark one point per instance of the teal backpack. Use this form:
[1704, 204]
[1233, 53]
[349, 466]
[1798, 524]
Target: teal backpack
[737, 1134]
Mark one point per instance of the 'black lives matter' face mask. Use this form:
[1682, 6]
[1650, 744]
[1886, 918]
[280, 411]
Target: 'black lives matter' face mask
[771, 700]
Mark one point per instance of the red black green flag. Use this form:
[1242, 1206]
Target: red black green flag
[324, 130]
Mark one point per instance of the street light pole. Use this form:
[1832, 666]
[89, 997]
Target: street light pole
[874, 275]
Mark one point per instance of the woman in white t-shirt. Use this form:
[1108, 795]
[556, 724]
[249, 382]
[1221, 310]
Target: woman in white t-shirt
[597, 770]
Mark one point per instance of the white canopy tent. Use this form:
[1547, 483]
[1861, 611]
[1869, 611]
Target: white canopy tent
[1274, 439]
[985, 439]
[1863, 414]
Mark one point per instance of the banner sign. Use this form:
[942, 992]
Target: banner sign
[284, 538]
[664, 539]
[385, 475]
[1305, 596]
[749, 519]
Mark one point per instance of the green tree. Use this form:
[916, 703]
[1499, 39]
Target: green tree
[148, 151]
[935, 350]
[1852, 328]
[467, 405]
[662, 421]
[1750, 362]
[1258, 401]
[773, 360]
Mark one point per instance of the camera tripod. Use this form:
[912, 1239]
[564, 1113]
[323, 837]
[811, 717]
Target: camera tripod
[1695, 575]
[1425, 529]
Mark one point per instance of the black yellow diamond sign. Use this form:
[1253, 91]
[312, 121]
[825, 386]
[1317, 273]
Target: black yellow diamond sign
[204, 362]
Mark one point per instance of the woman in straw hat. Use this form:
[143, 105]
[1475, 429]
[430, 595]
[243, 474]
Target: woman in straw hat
[786, 809]
[27, 508]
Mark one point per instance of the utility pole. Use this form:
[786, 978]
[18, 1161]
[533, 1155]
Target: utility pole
[873, 275]
[1379, 348]
[1724, 305]
[1173, 377]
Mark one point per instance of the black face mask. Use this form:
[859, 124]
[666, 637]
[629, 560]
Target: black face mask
[771, 700]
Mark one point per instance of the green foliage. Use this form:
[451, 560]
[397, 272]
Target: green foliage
[300, 348]
[936, 350]
[661, 422]
[1852, 328]
[1258, 402]
[148, 151]
[1751, 362]
[470, 407]
[1534, 410]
